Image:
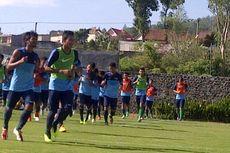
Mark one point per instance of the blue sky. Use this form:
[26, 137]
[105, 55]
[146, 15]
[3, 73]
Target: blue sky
[87, 13]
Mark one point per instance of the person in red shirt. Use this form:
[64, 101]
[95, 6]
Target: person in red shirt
[150, 93]
[126, 90]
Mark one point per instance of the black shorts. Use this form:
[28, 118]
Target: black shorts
[112, 102]
[125, 99]
[85, 100]
[13, 97]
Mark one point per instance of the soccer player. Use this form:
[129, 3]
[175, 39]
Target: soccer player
[86, 81]
[112, 81]
[141, 82]
[180, 89]
[101, 94]
[95, 91]
[23, 61]
[126, 90]
[62, 65]
[151, 91]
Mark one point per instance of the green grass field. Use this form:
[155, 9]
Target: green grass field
[124, 136]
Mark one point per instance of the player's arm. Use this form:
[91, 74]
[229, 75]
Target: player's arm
[15, 61]
[53, 58]
[135, 80]
[104, 81]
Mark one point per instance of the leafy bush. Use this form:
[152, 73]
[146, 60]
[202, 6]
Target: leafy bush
[217, 111]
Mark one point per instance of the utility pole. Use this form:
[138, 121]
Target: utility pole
[36, 25]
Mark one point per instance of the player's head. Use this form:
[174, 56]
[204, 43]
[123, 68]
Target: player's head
[93, 66]
[142, 71]
[68, 38]
[125, 75]
[113, 67]
[88, 68]
[101, 73]
[181, 79]
[30, 39]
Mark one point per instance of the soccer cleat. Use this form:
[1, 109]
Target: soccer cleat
[82, 122]
[93, 120]
[123, 117]
[46, 138]
[99, 118]
[18, 134]
[127, 114]
[36, 119]
[139, 119]
[62, 128]
[4, 134]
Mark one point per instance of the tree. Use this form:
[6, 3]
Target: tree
[166, 6]
[221, 8]
[142, 12]
[81, 35]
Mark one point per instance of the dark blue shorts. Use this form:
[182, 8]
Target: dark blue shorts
[140, 99]
[94, 102]
[85, 100]
[64, 97]
[148, 103]
[125, 99]
[37, 96]
[13, 97]
[101, 101]
[112, 102]
[180, 103]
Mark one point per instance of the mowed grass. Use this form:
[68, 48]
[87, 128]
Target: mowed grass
[124, 136]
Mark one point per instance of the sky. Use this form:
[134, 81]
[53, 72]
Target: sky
[18, 16]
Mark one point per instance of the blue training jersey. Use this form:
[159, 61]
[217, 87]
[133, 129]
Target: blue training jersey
[85, 85]
[113, 81]
[23, 79]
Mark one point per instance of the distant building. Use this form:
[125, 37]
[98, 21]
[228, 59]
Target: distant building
[43, 37]
[156, 35]
[93, 33]
[119, 34]
[56, 36]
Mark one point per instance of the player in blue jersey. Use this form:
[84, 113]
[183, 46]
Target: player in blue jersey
[23, 62]
[86, 81]
[112, 81]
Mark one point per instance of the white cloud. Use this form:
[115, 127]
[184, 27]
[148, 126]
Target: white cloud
[29, 3]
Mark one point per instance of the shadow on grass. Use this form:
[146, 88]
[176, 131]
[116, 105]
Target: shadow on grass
[129, 136]
[122, 148]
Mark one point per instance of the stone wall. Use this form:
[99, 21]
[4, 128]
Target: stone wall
[201, 88]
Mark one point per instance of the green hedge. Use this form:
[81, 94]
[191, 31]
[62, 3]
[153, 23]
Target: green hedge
[218, 111]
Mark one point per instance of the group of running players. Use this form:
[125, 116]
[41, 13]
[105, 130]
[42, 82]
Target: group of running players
[57, 82]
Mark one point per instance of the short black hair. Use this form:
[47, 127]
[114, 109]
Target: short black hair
[142, 68]
[1, 56]
[181, 79]
[96, 70]
[113, 64]
[93, 65]
[126, 73]
[28, 35]
[66, 34]
[102, 73]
